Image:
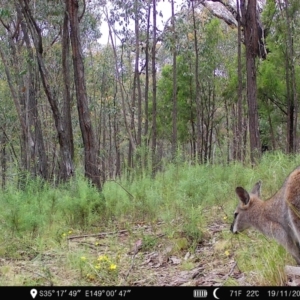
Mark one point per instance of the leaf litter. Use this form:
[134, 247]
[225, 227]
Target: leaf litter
[147, 258]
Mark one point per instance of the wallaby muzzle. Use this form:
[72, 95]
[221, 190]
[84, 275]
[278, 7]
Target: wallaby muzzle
[231, 228]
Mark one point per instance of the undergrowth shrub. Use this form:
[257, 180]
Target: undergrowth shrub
[83, 206]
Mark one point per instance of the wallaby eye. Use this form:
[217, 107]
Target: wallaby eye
[235, 214]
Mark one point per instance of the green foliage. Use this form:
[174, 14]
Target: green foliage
[83, 205]
[212, 73]
[38, 206]
[148, 242]
[274, 75]
[185, 96]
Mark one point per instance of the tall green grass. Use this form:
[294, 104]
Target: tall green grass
[174, 193]
[182, 197]
[184, 186]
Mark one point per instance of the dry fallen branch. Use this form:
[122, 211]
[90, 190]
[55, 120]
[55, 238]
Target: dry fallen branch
[102, 234]
[292, 271]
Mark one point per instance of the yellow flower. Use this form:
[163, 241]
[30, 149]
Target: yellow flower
[227, 253]
[63, 234]
[83, 258]
[70, 231]
[102, 258]
[90, 276]
[112, 267]
[97, 267]
[97, 244]
[225, 218]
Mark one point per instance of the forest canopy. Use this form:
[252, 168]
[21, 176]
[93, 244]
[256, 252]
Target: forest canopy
[218, 82]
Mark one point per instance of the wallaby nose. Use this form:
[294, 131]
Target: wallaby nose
[231, 229]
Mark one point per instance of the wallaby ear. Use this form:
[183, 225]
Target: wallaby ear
[256, 188]
[243, 195]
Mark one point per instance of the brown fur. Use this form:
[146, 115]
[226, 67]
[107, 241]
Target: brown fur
[278, 217]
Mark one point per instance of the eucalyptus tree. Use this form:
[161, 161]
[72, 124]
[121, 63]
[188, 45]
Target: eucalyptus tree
[289, 10]
[154, 87]
[200, 76]
[248, 17]
[106, 113]
[249, 22]
[38, 40]
[41, 43]
[9, 133]
[278, 79]
[19, 65]
[90, 150]
[197, 81]
[133, 30]
[174, 100]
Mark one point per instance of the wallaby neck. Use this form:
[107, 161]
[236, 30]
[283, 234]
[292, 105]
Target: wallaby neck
[266, 220]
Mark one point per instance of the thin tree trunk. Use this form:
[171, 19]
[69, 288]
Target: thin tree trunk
[213, 110]
[146, 110]
[103, 156]
[290, 83]
[227, 130]
[130, 136]
[110, 151]
[234, 132]
[3, 157]
[67, 83]
[147, 77]
[271, 131]
[137, 82]
[154, 125]
[174, 110]
[192, 118]
[116, 140]
[199, 132]
[239, 131]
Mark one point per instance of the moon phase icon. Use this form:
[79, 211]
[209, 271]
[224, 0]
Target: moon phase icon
[215, 293]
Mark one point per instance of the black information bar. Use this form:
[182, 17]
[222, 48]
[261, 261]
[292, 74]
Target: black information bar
[41, 292]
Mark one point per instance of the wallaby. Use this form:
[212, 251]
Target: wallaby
[278, 217]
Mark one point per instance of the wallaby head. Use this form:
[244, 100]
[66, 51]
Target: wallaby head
[246, 210]
[277, 217]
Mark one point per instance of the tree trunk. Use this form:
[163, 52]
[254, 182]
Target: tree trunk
[292, 106]
[137, 82]
[90, 152]
[118, 76]
[174, 111]
[116, 140]
[66, 163]
[3, 157]
[239, 131]
[251, 44]
[147, 77]
[199, 132]
[154, 125]
[66, 83]
[38, 155]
